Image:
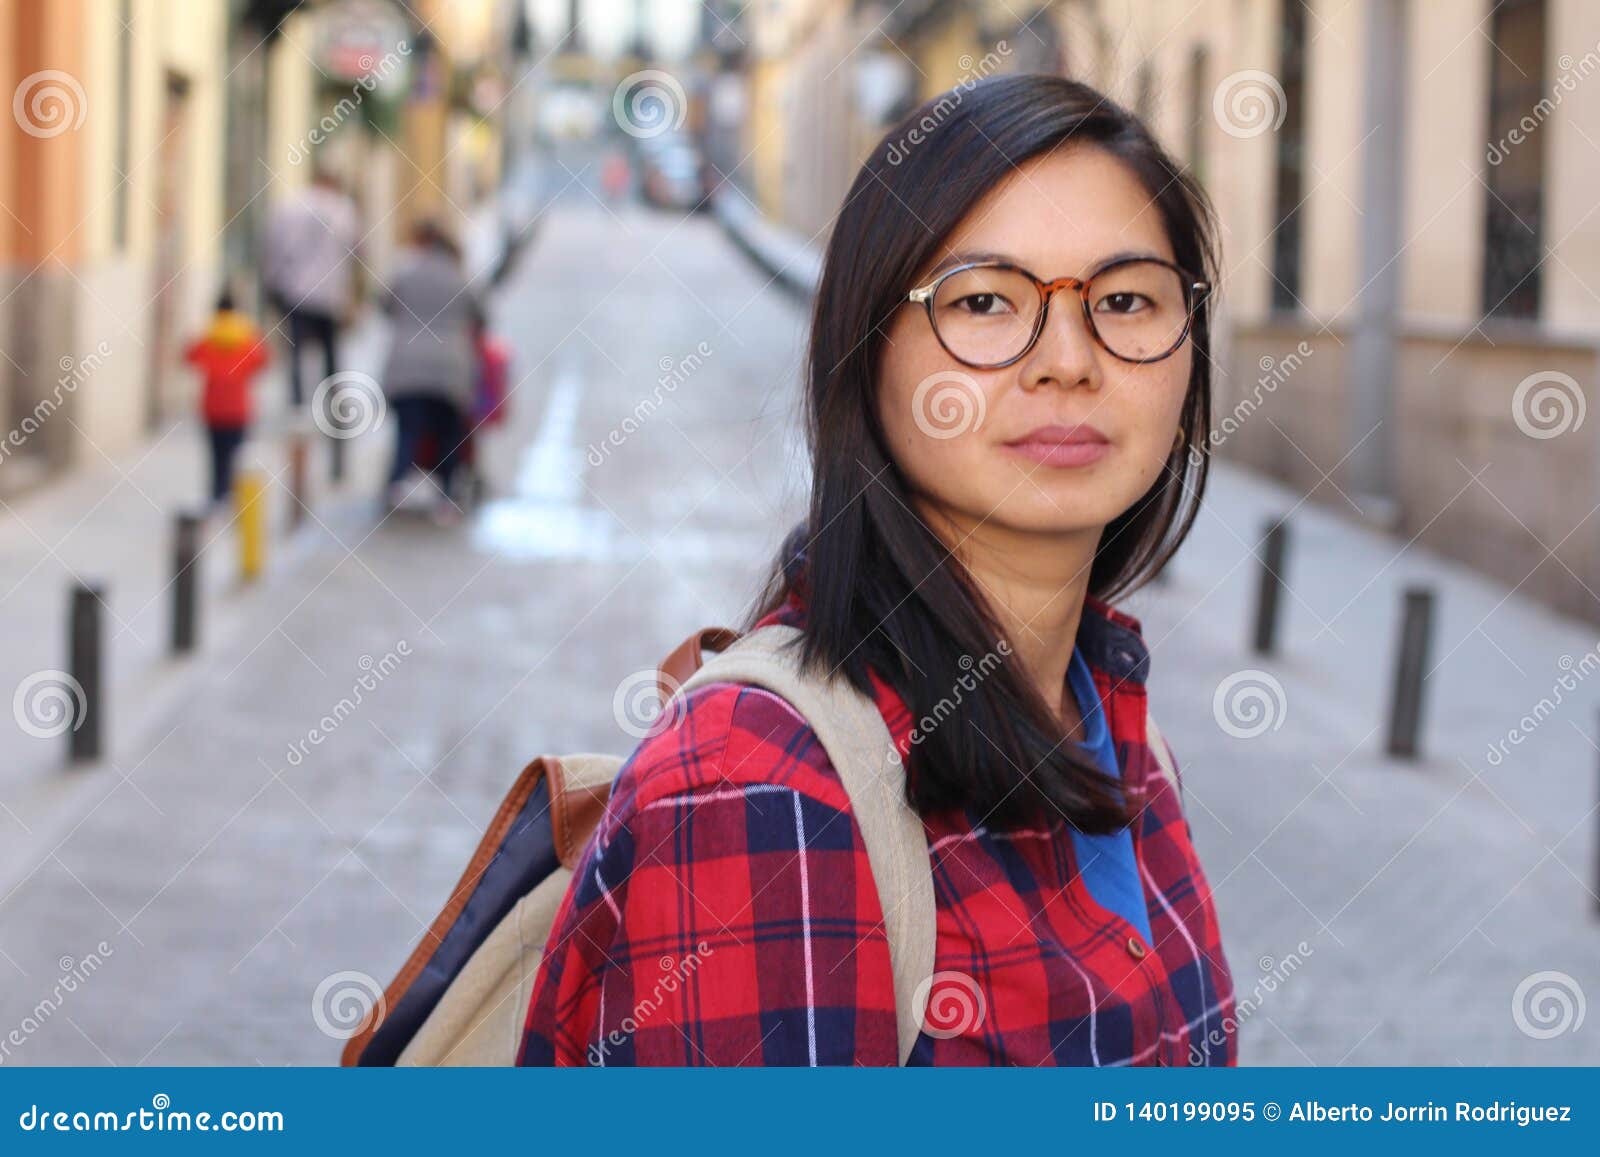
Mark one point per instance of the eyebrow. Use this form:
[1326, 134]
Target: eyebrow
[969, 258]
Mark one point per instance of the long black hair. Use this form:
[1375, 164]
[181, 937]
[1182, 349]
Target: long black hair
[882, 591]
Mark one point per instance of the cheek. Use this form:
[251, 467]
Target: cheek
[1148, 396]
[1158, 394]
[935, 414]
[1173, 392]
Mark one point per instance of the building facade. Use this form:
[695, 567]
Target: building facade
[1410, 293]
[148, 140]
[112, 213]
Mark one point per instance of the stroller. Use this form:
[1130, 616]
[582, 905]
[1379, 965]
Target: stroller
[488, 411]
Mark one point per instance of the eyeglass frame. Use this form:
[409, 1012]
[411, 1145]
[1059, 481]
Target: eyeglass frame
[1195, 291]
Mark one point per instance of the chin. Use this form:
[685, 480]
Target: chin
[1039, 516]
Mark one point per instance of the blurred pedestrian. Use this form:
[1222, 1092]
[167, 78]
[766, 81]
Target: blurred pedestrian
[615, 177]
[430, 378]
[308, 262]
[228, 355]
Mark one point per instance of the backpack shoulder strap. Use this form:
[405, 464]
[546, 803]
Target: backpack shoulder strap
[862, 751]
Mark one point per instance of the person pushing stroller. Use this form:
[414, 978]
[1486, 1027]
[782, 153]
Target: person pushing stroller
[430, 379]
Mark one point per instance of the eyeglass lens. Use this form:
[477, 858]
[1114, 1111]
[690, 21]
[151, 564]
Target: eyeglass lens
[988, 314]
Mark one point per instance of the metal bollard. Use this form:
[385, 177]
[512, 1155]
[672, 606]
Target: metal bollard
[185, 581]
[299, 492]
[334, 425]
[83, 645]
[1416, 634]
[1275, 546]
[336, 459]
[249, 492]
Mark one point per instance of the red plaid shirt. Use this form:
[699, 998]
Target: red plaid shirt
[725, 914]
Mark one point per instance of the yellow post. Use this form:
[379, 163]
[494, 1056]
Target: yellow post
[249, 496]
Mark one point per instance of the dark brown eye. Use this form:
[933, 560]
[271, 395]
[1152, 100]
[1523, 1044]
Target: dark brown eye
[982, 304]
[1122, 303]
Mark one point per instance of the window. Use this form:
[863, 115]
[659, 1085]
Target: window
[1288, 213]
[1518, 102]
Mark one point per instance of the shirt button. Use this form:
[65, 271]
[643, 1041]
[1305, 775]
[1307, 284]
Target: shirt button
[1136, 949]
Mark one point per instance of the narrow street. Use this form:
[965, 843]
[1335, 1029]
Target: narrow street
[488, 644]
[270, 843]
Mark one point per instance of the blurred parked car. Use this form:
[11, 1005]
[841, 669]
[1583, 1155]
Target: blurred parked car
[670, 174]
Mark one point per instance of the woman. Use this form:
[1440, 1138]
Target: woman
[1007, 402]
[429, 378]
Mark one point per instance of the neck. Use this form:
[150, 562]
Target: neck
[1035, 586]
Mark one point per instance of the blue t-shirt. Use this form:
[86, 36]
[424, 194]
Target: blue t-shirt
[1105, 862]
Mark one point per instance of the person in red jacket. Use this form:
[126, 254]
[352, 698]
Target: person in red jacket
[228, 356]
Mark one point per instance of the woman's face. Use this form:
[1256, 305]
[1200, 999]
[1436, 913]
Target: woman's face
[961, 435]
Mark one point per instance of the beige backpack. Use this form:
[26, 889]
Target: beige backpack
[462, 996]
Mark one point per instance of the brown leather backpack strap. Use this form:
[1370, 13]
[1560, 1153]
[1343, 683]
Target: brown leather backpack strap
[580, 785]
[686, 658]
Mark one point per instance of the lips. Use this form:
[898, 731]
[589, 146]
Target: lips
[1063, 446]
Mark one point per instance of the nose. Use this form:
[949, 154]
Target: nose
[1066, 353]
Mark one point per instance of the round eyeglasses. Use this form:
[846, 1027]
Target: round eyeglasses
[988, 314]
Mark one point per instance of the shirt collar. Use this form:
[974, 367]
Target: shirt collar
[1113, 641]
